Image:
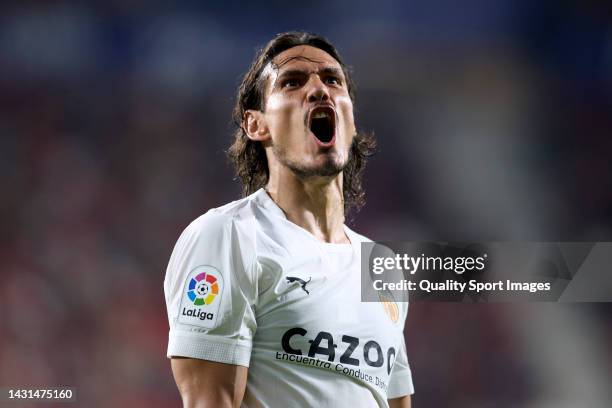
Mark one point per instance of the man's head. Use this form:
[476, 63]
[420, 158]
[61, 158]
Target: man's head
[296, 101]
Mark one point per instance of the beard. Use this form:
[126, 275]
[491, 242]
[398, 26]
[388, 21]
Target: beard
[330, 168]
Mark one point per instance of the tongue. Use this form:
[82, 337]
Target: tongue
[322, 129]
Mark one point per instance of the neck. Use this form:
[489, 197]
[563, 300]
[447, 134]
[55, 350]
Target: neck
[315, 204]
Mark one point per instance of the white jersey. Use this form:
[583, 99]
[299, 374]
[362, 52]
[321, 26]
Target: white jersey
[246, 286]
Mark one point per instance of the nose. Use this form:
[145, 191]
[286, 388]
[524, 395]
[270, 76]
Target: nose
[318, 91]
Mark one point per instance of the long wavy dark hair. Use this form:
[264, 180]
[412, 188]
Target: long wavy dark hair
[249, 157]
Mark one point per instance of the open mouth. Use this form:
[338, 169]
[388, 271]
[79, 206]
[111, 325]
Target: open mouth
[322, 124]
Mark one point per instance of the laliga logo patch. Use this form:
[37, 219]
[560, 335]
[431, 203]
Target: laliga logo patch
[203, 289]
[201, 297]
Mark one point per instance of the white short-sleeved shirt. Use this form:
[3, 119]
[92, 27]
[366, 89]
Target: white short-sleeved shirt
[246, 286]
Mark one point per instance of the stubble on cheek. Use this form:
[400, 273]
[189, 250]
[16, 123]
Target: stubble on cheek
[345, 107]
[346, 129]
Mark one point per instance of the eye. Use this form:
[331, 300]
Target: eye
[332, 80]
[290, 83]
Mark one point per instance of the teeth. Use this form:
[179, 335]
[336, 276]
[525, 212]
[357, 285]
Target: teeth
[320, 115]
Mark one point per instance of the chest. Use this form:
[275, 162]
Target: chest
[311, 306]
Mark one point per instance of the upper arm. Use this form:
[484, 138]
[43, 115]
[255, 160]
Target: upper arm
[402, 402]
[209, 384]
[209, 292]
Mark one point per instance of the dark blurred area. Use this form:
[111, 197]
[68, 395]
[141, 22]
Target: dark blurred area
[494, 122]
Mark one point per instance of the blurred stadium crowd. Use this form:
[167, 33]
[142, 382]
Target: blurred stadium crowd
[494, 122]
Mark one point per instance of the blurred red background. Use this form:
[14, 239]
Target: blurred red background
[493, 120]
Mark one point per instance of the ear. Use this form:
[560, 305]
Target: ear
[254, 125]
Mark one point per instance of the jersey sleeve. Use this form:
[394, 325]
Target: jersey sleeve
[210, 292]
[400, 383]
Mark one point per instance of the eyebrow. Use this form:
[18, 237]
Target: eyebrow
[299, 72]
